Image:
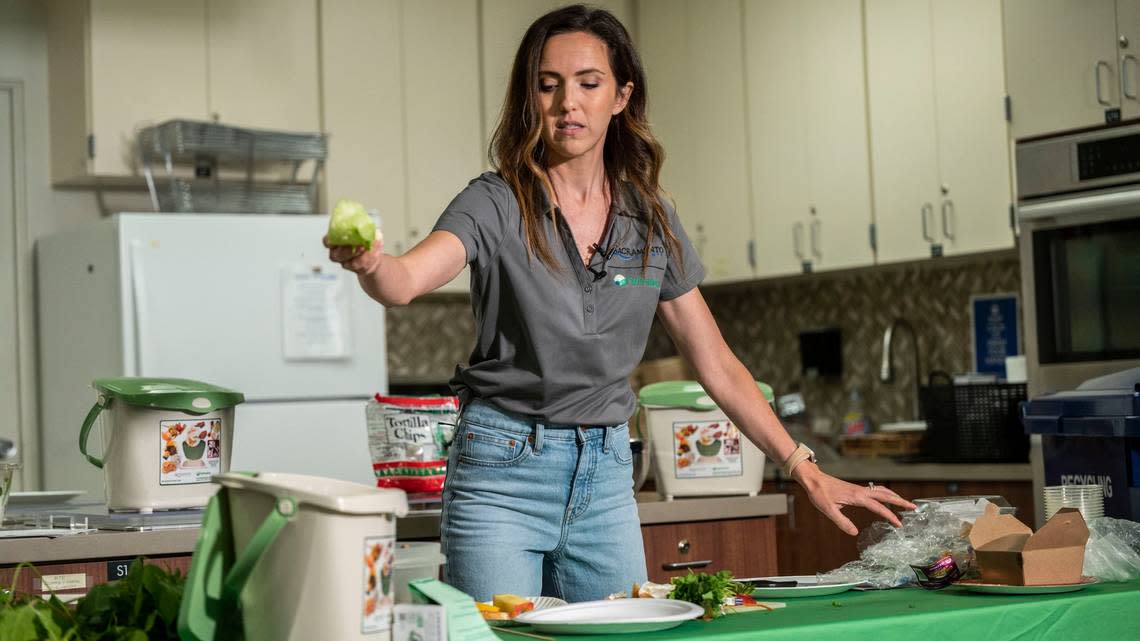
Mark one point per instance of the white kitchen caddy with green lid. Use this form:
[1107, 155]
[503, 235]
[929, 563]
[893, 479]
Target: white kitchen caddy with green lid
[290, 557]
[163, 439]
[697, 450]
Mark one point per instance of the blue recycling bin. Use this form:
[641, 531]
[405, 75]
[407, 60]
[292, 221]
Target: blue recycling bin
[1091, 436]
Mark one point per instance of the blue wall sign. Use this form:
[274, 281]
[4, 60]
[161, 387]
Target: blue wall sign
[994, 327]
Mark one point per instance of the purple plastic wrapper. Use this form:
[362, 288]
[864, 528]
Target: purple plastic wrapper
[938, 574]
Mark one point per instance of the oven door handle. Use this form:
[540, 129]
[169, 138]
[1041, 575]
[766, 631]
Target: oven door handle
[1066, 207]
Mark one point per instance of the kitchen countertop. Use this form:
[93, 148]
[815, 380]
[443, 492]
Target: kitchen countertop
[417, 525]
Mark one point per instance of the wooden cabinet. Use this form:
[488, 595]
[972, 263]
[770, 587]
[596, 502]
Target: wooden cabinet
[939, 145]
[747, 547]
[694, 55]
[1071, 63]
[116, 66]
[810, 182]
[808, 542]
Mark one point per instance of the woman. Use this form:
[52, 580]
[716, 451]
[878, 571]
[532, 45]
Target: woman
[572, 251]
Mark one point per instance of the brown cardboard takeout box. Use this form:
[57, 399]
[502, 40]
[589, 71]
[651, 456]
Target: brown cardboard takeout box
[1009, 552]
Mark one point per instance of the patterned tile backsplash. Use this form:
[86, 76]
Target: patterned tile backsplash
[761, 322]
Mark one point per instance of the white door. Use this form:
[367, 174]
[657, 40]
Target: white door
[1055, 52]
[9, 294]
[694, 61]
[204, 298]
[973, 137]
[263, 63]
[904, 144]
[1128, 26]
[148, 64]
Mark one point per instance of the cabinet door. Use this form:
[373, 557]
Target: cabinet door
[441, 87]
[1055, 50]
[973, 139]
[904, 156]
[263, 63]
[778, 133]
[747, 547]
[364, 115]
[147, 65]
[693, 54]
[1128, 26]
[808, 124]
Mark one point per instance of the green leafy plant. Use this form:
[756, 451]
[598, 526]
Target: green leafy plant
[707, 590]
[143, 606]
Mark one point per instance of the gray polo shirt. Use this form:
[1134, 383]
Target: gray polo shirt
[559, 347]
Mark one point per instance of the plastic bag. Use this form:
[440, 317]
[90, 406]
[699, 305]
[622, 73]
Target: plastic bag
[408, 438]
[886, 552]
[1113, 550]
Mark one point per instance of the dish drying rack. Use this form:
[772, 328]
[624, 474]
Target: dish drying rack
[209, 146]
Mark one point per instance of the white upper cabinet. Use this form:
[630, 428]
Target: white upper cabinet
[1064, 60]
[364, 110]
[116, 66]
[401, 93]
[810, 183]
[263, 63]
[939, 143]
[693, 55]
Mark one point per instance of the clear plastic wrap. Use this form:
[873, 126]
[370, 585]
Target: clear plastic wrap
[886, 552]
[1113, 550]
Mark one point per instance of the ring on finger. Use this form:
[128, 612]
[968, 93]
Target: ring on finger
[871, 487]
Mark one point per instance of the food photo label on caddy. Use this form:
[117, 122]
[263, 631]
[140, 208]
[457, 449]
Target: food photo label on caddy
[191, 451]
[706, 449]
[377, 603]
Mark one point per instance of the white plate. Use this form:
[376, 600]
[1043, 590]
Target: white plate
[44, 498]
[805, 586]
[617, 616]
[540, 603]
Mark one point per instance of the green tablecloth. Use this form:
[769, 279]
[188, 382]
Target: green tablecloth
[1102, 611]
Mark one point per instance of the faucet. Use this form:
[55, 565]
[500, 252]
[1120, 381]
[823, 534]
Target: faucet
[886, 372]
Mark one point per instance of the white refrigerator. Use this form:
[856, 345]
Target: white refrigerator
[247, 301]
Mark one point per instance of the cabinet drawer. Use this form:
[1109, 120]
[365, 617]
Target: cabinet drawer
[747, 547]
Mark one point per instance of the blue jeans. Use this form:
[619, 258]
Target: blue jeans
[533, 509]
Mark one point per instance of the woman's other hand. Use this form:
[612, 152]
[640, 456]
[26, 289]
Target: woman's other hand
[357, 260]
[830, 495]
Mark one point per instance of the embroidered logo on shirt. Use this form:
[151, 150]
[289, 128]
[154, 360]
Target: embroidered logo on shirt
[622, 281]
[626, 254]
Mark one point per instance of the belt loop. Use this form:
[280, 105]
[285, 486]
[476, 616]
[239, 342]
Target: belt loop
[581, 435]
[606, 439]
[538, 438]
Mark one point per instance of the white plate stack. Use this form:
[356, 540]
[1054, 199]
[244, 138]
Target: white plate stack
[1089, 499]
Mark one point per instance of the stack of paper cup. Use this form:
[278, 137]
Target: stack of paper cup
[1089, 499]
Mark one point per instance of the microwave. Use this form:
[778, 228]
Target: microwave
[1079, 214]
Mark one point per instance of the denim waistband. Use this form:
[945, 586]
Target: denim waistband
[484, 413]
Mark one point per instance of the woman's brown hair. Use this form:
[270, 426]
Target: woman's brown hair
[631, 154]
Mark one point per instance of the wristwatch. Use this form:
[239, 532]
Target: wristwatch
[802, 453]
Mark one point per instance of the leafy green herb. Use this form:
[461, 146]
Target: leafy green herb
[143, 606]
[707, 590]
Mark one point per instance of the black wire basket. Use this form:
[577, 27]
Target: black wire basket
[977, 423]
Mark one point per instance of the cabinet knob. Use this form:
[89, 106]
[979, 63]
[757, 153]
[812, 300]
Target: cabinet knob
[945, 189]
[1123, 41]
[683, 546]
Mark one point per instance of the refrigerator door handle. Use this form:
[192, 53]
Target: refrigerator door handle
[138, 304]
